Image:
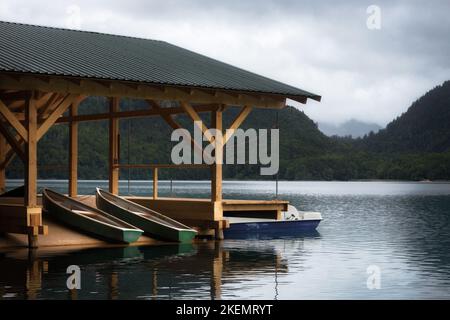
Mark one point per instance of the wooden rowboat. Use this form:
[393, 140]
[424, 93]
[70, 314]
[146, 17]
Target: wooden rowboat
[88, 219]
[153, 223]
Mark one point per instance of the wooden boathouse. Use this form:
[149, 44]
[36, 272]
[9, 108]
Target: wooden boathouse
[45, 73]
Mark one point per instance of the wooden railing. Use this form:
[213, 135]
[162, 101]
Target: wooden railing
[155, 167]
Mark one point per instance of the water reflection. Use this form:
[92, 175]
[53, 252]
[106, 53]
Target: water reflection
[404, 228]
[201, 270]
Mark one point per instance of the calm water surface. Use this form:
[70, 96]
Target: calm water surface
[402, 228]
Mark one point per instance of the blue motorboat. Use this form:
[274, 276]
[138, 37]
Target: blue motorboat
[293, 223]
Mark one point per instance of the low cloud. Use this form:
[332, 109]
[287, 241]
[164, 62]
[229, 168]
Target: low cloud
[326, 48]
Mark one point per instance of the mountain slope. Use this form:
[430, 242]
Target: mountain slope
[424, 127]
[147, 140]
[415, 146]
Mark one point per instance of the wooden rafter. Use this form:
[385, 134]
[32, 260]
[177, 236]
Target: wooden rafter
[14, 144]
[240, 118]
[13, 121]
[9, 97]
[51, 103]
[167, 117]
[197, 120]
[43, 99]
[55, 114]
[17, 105]
[10, 153]
[175, 125]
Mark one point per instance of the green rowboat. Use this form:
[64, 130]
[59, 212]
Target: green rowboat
[153, 223]
[88, 219]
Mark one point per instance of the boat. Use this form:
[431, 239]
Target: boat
[88, 219]
[14, 193]
[153, 223]
[293, 223]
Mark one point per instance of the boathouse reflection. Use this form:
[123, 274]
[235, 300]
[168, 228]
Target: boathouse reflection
[199, 270]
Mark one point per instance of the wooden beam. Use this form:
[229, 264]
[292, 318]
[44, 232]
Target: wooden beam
[115, 88]
[155, 183]
[15, 96]
[114, 147]
[19, 105]
[10, 153]
[166, 117]
[134, 114]
[14, 144]
[216, 168]
[166, 166]
[31, 153]
[43, 99]
[60, 109]
[13, 121]
[73, 152]
[240, 118]
[175, 125]
[197, 120]
[51, 103]
[2, 160]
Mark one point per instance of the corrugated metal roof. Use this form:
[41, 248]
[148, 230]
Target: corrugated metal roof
[54, 51]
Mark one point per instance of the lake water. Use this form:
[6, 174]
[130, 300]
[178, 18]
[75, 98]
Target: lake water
[400, 229]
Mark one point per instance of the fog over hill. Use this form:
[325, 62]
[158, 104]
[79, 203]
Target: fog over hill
[353, 127]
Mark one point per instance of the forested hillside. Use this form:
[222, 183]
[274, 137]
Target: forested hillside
[415, 146]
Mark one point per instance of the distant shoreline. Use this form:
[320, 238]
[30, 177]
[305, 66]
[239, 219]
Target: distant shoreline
[239, 180]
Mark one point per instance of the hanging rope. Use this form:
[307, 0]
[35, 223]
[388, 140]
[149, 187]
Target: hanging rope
[128, 151]
[276, 183]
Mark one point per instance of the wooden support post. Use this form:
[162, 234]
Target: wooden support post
[155, 283]
[31, 153]
[31, 164]
[2, 164]
[216, 172]
[216, 168]
[114, 147]
[73, 152]
[114, 286]
[155, 183]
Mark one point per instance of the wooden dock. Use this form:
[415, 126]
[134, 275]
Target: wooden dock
[201, 214]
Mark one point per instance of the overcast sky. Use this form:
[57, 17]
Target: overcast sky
[321, 46]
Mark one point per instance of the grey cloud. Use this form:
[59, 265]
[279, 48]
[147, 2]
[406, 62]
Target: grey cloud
[322, 46]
